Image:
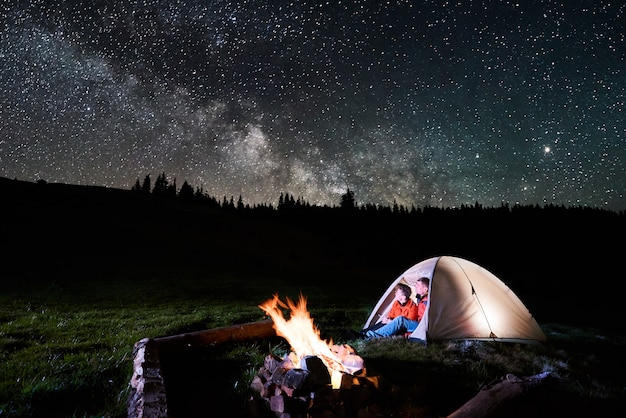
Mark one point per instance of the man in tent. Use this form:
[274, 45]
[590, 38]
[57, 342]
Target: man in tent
[405, 314]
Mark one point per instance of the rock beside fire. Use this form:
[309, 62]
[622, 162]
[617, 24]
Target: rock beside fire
[309, 390]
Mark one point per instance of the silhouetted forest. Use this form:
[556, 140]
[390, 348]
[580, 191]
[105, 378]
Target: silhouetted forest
[288, 202]
[563, 262]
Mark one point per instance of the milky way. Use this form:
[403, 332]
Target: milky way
[418, 102]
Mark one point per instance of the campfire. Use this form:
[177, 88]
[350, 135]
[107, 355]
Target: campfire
[317, 375]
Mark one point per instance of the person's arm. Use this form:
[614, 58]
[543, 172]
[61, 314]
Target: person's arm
[393, 312]
[414, 312]
[421, 308]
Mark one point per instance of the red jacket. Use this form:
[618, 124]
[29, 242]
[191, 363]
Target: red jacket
[421, 306]
[410, 310]
[413, 311]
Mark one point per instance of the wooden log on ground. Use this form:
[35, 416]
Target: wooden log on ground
[496, 400]
[148, 397]
[240, 332]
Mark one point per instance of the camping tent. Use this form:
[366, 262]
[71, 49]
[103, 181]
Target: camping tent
[465, 302]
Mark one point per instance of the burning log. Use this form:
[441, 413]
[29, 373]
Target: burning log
[308, 389]
[317, 378]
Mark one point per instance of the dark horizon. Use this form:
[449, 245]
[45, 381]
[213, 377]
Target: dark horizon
[548, 256]
[187, 192]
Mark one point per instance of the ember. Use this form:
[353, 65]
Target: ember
[317, 375]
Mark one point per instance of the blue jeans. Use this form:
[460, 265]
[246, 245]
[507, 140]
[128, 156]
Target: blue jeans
[398, 326]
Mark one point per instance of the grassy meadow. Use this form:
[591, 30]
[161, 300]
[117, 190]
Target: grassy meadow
[90, 271]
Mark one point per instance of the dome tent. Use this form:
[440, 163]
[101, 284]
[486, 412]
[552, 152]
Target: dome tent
[465, 302]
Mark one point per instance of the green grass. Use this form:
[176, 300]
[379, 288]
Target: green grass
[66, 347]
[70, 345]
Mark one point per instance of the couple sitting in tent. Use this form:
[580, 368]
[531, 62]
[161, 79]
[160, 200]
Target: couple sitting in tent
[405, 314]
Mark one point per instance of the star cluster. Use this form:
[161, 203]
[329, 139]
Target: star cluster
[422, 103]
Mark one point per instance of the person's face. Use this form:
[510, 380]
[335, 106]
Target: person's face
[421, 288]
[400, 296]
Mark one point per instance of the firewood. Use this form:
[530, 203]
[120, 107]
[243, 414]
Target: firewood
[287, 404]
[318, 375]
[237, 332]
[287, 391]
[258, 384]
[295, 378]
[148, 396]
[272, 362]
[278, 376]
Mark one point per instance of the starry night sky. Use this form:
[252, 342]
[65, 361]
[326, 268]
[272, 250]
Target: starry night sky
[421, 102]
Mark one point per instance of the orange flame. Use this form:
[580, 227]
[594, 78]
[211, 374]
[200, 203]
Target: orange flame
[300, 332]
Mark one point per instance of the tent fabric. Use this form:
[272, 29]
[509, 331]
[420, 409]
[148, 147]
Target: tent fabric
[465, 301]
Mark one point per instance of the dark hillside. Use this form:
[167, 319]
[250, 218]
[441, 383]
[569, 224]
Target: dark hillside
[66, 231]
[561, 262]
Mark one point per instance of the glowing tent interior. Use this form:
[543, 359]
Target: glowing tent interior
[465, 302]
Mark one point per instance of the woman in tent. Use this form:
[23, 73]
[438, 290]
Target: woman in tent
[404, 315]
